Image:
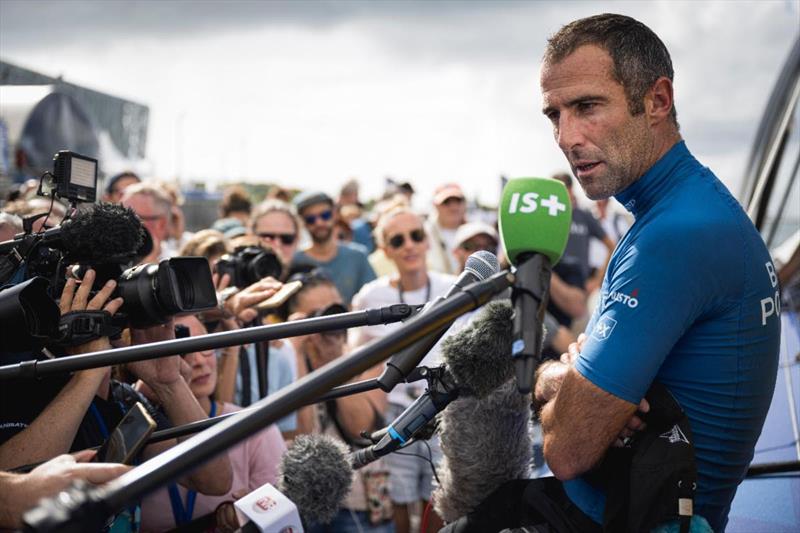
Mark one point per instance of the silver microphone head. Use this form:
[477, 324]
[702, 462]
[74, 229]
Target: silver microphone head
[483, 264]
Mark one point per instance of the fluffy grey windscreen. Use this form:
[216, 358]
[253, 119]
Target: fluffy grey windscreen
[315, 474]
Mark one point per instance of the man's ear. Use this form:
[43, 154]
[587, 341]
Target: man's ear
[658, 101]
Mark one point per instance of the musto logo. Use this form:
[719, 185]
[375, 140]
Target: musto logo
[264, 505]
[630, 300]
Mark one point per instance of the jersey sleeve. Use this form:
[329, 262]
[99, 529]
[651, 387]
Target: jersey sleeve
[649, 298]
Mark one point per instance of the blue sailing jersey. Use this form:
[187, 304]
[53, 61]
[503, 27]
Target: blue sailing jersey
[690, 299]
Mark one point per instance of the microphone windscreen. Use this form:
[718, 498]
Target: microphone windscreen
[485, 443]
[315, 474]
[479, 356]
[534, 217]
[102, 233]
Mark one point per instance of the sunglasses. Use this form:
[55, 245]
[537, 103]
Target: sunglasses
[453, 200]
[475, 246]
[311, 219]
[396, 241]
[332, 309]
[286, 239]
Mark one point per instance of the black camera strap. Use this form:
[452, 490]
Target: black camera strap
[79, 327]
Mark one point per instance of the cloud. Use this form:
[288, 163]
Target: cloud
[313, 92]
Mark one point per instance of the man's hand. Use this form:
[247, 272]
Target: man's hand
[574, 350]
[241, 304]
[78, 300]
[634, 424]
[48, 479]
[160, 372]
[549, 378]
[551, 374]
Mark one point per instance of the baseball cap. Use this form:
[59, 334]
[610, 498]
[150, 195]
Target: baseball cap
[309, 198]
[471, 229]
[448, 190]
[230, 227]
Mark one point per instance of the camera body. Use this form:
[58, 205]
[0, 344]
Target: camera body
[248, 265]
[103, 237]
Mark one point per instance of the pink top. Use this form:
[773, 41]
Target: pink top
[254, 463]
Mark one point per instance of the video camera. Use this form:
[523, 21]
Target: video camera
[104, 237]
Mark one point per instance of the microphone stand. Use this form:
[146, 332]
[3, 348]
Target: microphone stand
[347, 389]
[529, 296]
[77, 509]
[199, 425]
[116, 356]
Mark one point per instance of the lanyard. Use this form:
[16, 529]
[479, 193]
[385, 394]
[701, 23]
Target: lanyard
[99, 419]
[183, 515]
[427, 291]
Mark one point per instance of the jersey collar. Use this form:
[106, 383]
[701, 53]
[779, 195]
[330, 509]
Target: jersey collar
[646, 191]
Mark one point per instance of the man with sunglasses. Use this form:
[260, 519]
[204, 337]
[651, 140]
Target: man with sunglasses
[401, 235]
[153, 206]
[345, 263]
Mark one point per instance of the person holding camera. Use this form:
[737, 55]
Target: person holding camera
[42, 419]
[238, 380]
[254, 461]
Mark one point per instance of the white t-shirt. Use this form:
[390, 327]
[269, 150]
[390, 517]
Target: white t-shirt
[380, 293]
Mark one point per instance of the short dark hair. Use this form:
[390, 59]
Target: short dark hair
[235, 200]
[638, 55]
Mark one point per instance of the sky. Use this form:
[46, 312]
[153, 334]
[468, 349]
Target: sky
[308, 94]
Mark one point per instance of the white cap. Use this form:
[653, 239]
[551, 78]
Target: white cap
[469, 230]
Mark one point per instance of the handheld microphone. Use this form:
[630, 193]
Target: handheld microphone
[479, 266]
[314, 480]
[535, 216]
[476, 361]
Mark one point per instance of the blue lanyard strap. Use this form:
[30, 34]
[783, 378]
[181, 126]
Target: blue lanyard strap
[183, 515]
[99, 419]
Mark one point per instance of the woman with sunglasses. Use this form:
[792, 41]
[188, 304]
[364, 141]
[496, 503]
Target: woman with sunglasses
[366, 508]
[401, 236]
[254, 461]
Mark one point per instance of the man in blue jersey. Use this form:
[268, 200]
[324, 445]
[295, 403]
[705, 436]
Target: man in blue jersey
[690, 298]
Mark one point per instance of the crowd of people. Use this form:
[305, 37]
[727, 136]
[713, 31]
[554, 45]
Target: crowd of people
[607, 86]
[347, 257]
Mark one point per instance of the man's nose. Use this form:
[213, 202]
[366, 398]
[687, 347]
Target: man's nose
[570, 134]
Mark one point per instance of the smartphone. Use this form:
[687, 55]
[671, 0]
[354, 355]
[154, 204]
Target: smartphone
[280, 297]
[128, 437]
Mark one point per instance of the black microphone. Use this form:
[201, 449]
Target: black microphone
[479, 266]
[534, 215]
[477, 360]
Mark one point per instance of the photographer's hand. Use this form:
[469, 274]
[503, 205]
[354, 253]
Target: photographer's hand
[241, 304]
[78, 300]
[54, 429]
[162, 371]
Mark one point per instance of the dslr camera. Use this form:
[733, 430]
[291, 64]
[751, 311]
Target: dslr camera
[248, 265]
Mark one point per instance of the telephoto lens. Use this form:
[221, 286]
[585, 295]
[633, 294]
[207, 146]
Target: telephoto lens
[154, 293]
